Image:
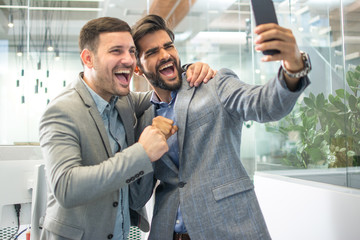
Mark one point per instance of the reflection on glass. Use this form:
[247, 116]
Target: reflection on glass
[321, 135]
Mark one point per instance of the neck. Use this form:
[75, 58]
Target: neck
[88, 79]
[163, 95]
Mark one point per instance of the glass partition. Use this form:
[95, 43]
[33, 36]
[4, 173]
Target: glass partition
[319, 140]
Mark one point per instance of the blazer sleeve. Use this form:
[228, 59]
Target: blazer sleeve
[261, 103]
[142, 189]
[140, 102]
[77, 164]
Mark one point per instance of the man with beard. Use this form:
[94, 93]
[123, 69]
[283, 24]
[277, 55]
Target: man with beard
[203, 190]
[87, 140]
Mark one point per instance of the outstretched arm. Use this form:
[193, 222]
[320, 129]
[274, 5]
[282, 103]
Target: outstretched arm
[273, 36]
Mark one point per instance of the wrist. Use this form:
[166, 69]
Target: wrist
[302, 72]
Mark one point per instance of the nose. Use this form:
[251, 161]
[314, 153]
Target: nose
[164, 55]
[128, 59]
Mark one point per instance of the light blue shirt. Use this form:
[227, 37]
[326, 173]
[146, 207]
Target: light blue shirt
[117, 138]
[167, 110]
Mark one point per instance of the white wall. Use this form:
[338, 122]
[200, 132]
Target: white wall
[304, 210]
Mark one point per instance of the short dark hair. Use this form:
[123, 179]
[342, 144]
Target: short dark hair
[89, 34]
[149, 24]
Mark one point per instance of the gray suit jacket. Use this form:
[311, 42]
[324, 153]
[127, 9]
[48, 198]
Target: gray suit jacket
[216, 195]
[83, 175]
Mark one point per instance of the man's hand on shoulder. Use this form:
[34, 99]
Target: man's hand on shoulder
[199, 72]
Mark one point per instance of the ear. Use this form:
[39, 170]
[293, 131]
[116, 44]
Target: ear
[138, 71]
[87, 57]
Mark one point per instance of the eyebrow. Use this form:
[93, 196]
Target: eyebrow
[155, 49]
[121, 47]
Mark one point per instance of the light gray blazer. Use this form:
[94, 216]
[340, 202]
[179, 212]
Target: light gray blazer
[83, 175]
[216, 195]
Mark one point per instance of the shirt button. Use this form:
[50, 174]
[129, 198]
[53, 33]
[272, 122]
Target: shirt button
[181, 184]
[115, 204]
[110, 236]
[177, 221]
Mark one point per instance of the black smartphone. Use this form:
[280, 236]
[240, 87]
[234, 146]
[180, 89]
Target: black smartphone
[264, 12]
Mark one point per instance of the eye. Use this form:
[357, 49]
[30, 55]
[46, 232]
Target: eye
[116, 51]
[132, 51]
[149, 54]
[169, 46]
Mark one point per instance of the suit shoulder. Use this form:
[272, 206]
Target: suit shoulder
[139, 96]
[224, 72]
[69, 95]
[224, 76]
[68, 100]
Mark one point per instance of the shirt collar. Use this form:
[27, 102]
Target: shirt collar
[101, 104]
[156, 101]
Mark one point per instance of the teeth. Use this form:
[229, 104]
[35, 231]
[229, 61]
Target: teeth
[123, 72]
[165, 66]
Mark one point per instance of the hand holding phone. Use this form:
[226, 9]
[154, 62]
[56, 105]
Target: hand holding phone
[264, 12]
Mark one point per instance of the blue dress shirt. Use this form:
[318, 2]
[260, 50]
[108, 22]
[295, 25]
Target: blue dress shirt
[167, 110]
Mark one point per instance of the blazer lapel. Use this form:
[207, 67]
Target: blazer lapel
[184, 96]
[94, 113]
[100, 126]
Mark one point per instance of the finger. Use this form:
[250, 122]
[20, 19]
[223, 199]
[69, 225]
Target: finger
[208, 76]
[166, 132]
[275, 44]
[266, 27]
[202, 75]
[287, 50]
[189, 73]
[174, 129]
[275, 34]
[215, 72]
[196, 69]
[163, 135]
[161, 120]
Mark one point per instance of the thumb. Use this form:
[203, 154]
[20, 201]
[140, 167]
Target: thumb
[174, 129]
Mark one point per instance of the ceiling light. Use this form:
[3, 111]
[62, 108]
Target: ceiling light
[19, 50]
[57, 55]
[50, 47]
[11, 21]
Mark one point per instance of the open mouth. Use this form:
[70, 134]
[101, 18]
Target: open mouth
[167, 69]
[123, 76]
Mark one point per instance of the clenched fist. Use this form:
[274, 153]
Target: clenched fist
[154, 143]
[165, 125]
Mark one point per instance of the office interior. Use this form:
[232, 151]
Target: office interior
[305, 167]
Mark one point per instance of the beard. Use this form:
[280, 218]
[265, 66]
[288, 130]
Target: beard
[156, 80]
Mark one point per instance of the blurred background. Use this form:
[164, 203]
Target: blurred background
[319, 141]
